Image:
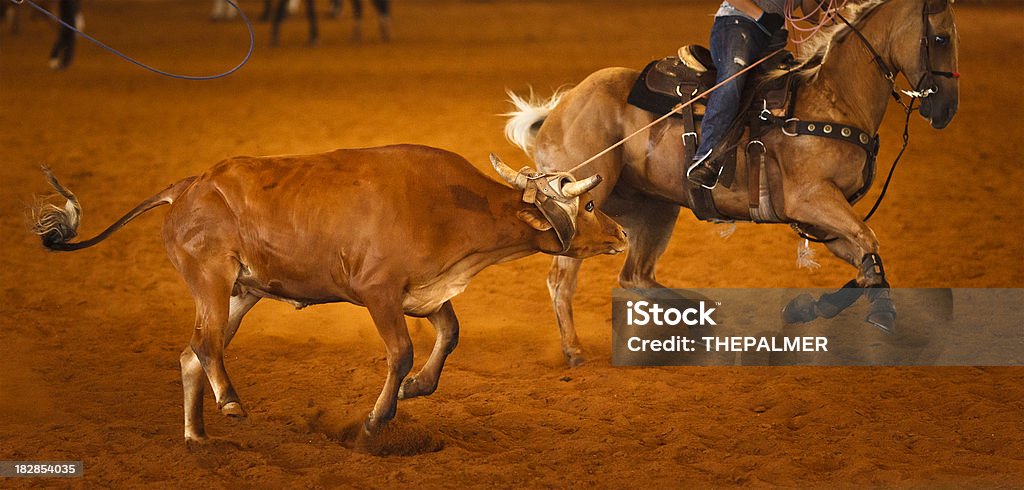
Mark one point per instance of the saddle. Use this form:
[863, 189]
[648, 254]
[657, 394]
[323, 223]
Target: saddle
[672, 80]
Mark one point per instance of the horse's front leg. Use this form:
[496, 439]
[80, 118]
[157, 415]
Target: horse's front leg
[827, 210]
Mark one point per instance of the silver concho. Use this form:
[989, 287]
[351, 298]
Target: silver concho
[846, 132]
[864, 138]
[827, 128]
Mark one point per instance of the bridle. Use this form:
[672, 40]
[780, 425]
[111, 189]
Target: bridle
[925, 86]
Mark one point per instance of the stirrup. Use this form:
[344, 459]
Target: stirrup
[687, 58]
[703, 162]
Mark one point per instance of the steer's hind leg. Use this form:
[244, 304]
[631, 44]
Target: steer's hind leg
[211, 282]
[446, 326]
[193, 379]
[386, 311]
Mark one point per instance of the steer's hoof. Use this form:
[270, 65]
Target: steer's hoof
[412, 387]
[234, 410]
[800, 309]
[409, 389]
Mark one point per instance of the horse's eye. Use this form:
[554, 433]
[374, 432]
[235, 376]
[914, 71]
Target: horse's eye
[590, 206]
[941, 40]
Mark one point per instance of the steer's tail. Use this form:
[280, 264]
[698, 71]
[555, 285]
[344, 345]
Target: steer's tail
[525, 121]
[56, 225]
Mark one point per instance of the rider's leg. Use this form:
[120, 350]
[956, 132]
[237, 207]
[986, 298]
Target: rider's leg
[736, 42]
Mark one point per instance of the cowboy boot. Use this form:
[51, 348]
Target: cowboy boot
[704, 171]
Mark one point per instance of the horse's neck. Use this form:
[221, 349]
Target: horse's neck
[849, 87]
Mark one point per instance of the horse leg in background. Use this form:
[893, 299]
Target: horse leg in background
[314, 32]
[856, 244]
[384, 18]
[357, 21]
[446, 327]
[11, 16]
[335, 10]
[275, 28]
[63, 51]
[193, 379]
[268, 10]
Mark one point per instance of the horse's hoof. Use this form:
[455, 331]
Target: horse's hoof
[234, 410]
[195, 440]
[884, 320]
[800, 309]
[575, 360]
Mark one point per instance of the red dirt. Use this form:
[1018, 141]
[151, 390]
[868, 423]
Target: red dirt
[90, 340]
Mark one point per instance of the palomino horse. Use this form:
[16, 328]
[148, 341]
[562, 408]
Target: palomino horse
[841, 81]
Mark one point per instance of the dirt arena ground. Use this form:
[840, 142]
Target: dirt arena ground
[89, 342]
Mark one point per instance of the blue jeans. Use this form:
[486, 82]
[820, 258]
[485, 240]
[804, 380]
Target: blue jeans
[736, 42]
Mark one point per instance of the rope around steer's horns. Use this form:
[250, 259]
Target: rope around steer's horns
[519, 180]
[676, 109]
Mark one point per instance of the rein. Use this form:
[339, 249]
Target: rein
[248, 25]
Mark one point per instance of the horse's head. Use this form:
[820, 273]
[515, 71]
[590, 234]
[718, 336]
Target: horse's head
[925, 50]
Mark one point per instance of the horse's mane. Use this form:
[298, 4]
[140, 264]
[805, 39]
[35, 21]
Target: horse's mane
[816, 48]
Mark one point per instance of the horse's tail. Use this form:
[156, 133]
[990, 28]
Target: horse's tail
[56, 225]
[525, 121]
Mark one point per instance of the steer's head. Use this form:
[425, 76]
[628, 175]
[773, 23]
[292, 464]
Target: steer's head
[563, 206]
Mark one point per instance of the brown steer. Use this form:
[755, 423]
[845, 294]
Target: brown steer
[398, 229]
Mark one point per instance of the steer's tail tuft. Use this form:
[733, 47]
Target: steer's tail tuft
[56, 225]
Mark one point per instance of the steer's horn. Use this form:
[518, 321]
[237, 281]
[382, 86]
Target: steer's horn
[517, 179]
[574, 189]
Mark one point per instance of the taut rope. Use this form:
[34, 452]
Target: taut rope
[674, 110]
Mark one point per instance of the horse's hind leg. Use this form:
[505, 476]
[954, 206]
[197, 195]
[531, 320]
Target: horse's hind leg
[648, 225]
[193, 379]
[562, 278]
